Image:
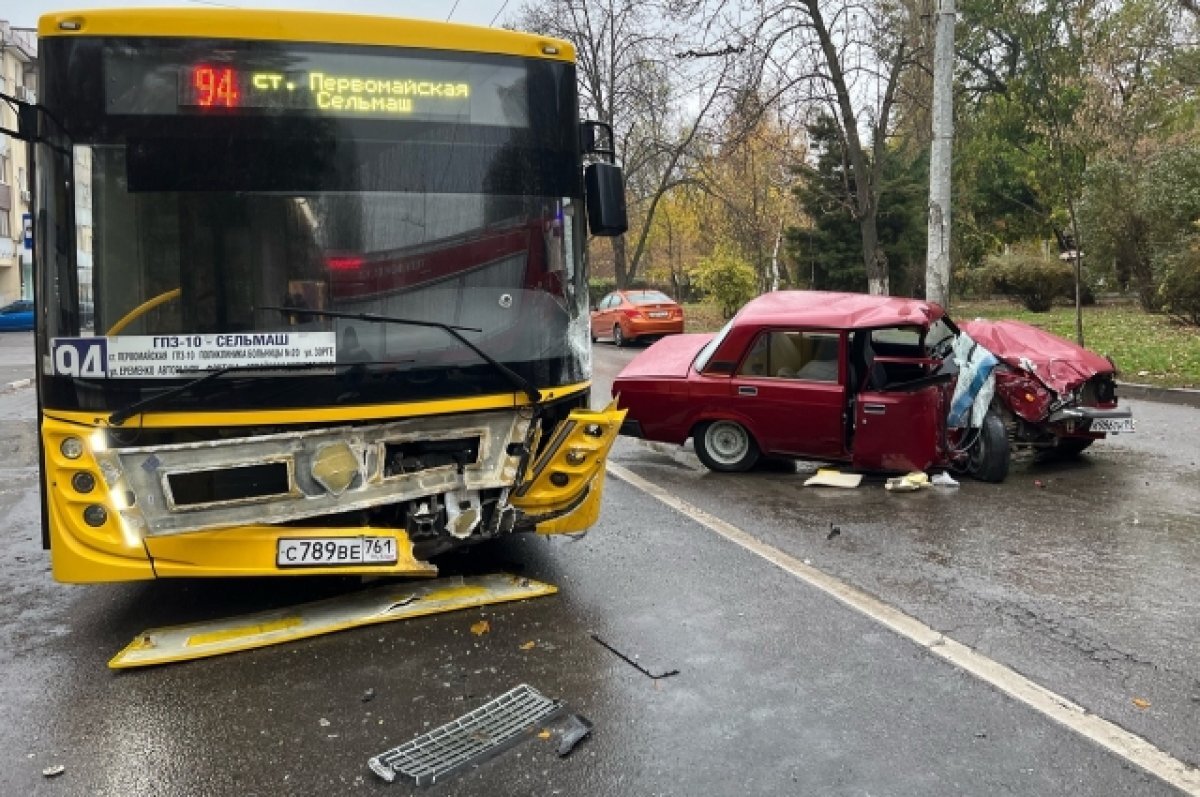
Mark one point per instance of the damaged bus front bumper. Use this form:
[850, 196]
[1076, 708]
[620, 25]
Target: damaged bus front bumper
[376, 498]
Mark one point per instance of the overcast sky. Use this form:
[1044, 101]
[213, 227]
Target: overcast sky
[25, 13]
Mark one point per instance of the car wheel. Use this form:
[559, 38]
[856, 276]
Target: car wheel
[725, 446]
[989, 456]
[619, 336]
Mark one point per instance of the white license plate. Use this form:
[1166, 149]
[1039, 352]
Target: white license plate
[1112, 425]
[333, 551]
[660, 314]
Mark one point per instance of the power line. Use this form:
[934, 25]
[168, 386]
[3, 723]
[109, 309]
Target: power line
[452, 10]
[498, 13]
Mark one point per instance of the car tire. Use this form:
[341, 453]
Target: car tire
[725, 446]
[619, 339]
[989, 456]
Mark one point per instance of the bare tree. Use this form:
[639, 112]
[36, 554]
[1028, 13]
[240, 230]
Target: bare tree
[657, 83]
[848, 60]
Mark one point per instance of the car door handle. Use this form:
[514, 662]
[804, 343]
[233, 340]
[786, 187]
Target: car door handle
[874, 409]
[747, 390]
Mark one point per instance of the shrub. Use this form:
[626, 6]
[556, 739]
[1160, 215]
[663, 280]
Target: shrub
[727, 279]
[598, 288]
[1179, 290]
[1035, 279]
[976, 282]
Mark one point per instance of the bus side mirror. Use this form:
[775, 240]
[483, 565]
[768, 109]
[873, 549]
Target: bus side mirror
[605, 185]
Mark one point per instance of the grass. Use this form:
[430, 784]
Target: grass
[1148, 349]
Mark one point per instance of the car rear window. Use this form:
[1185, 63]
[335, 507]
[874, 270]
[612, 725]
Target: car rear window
[706, 353]
[648, 297]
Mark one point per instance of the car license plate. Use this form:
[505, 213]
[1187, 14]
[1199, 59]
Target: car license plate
[1112, 425]
[333, 551]
[660, 314]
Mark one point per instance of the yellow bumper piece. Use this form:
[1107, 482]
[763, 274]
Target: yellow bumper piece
[563, 485]
[368, 607]
[251, 551]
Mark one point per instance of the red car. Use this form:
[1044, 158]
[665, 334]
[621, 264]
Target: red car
[876, 382]
[626, 316]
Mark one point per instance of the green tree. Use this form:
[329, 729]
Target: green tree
[826, 247]
[727, 279]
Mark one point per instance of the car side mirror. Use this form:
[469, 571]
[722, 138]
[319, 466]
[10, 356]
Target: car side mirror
[605, 185]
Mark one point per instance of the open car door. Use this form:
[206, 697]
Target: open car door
[898, 430]
[900, 410]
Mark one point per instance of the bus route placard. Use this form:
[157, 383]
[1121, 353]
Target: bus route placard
[178, 356]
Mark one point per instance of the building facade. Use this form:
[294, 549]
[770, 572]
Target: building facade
[18, 78]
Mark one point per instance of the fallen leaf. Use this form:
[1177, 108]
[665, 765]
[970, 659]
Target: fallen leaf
[530, 645]
[481, 628]
[1141, 702]
[545, 734]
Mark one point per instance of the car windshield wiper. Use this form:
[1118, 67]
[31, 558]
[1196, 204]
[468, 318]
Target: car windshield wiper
[125, 413]
[512, 376]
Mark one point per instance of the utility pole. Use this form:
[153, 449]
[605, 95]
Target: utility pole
[937, 255]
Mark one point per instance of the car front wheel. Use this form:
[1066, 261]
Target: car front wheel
[989, 456]
[725, 446]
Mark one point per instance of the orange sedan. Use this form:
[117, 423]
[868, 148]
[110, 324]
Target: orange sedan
[626, 316]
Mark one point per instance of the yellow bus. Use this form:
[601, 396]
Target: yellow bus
[311, 292]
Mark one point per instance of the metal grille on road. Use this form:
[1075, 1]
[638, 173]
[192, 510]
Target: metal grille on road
[468, 739]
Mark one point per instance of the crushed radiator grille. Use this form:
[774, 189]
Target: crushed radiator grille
[468, 739]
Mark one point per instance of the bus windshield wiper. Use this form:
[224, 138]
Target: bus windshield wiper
[125, 413]
[523, 384]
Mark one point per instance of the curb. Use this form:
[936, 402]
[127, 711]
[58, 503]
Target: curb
[1165, 395]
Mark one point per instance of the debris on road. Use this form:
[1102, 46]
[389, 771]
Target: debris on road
[470, 739]
[829, 477]
[572, 730]
[833, 531]
[481, 628]
[908, 483]
[530, 645]
[366, 607]
[53, 771]
[633, 663]
[368, 695]
[943, 479]
[1141, 703]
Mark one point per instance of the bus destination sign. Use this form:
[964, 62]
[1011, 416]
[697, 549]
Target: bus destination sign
[214, 86]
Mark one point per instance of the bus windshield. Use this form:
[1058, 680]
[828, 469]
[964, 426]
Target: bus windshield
[214, 181]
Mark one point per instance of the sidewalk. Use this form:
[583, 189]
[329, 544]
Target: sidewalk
[1183, 396]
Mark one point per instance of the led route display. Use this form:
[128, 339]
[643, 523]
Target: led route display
[218, 86]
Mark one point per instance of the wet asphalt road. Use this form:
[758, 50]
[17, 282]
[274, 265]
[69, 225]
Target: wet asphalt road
[1089, 585]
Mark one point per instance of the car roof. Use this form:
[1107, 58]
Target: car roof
[628, 292]
[833, 310]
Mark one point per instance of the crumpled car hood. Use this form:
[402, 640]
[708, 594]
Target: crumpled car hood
[1060, 364]
[671, 356]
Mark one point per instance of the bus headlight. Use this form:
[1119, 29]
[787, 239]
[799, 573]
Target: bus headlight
[95, 516]
[71, 447]
[83, 482]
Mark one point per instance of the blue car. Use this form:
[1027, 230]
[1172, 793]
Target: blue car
[18, 315]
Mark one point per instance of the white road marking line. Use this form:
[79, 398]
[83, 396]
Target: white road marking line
[1129, 746]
